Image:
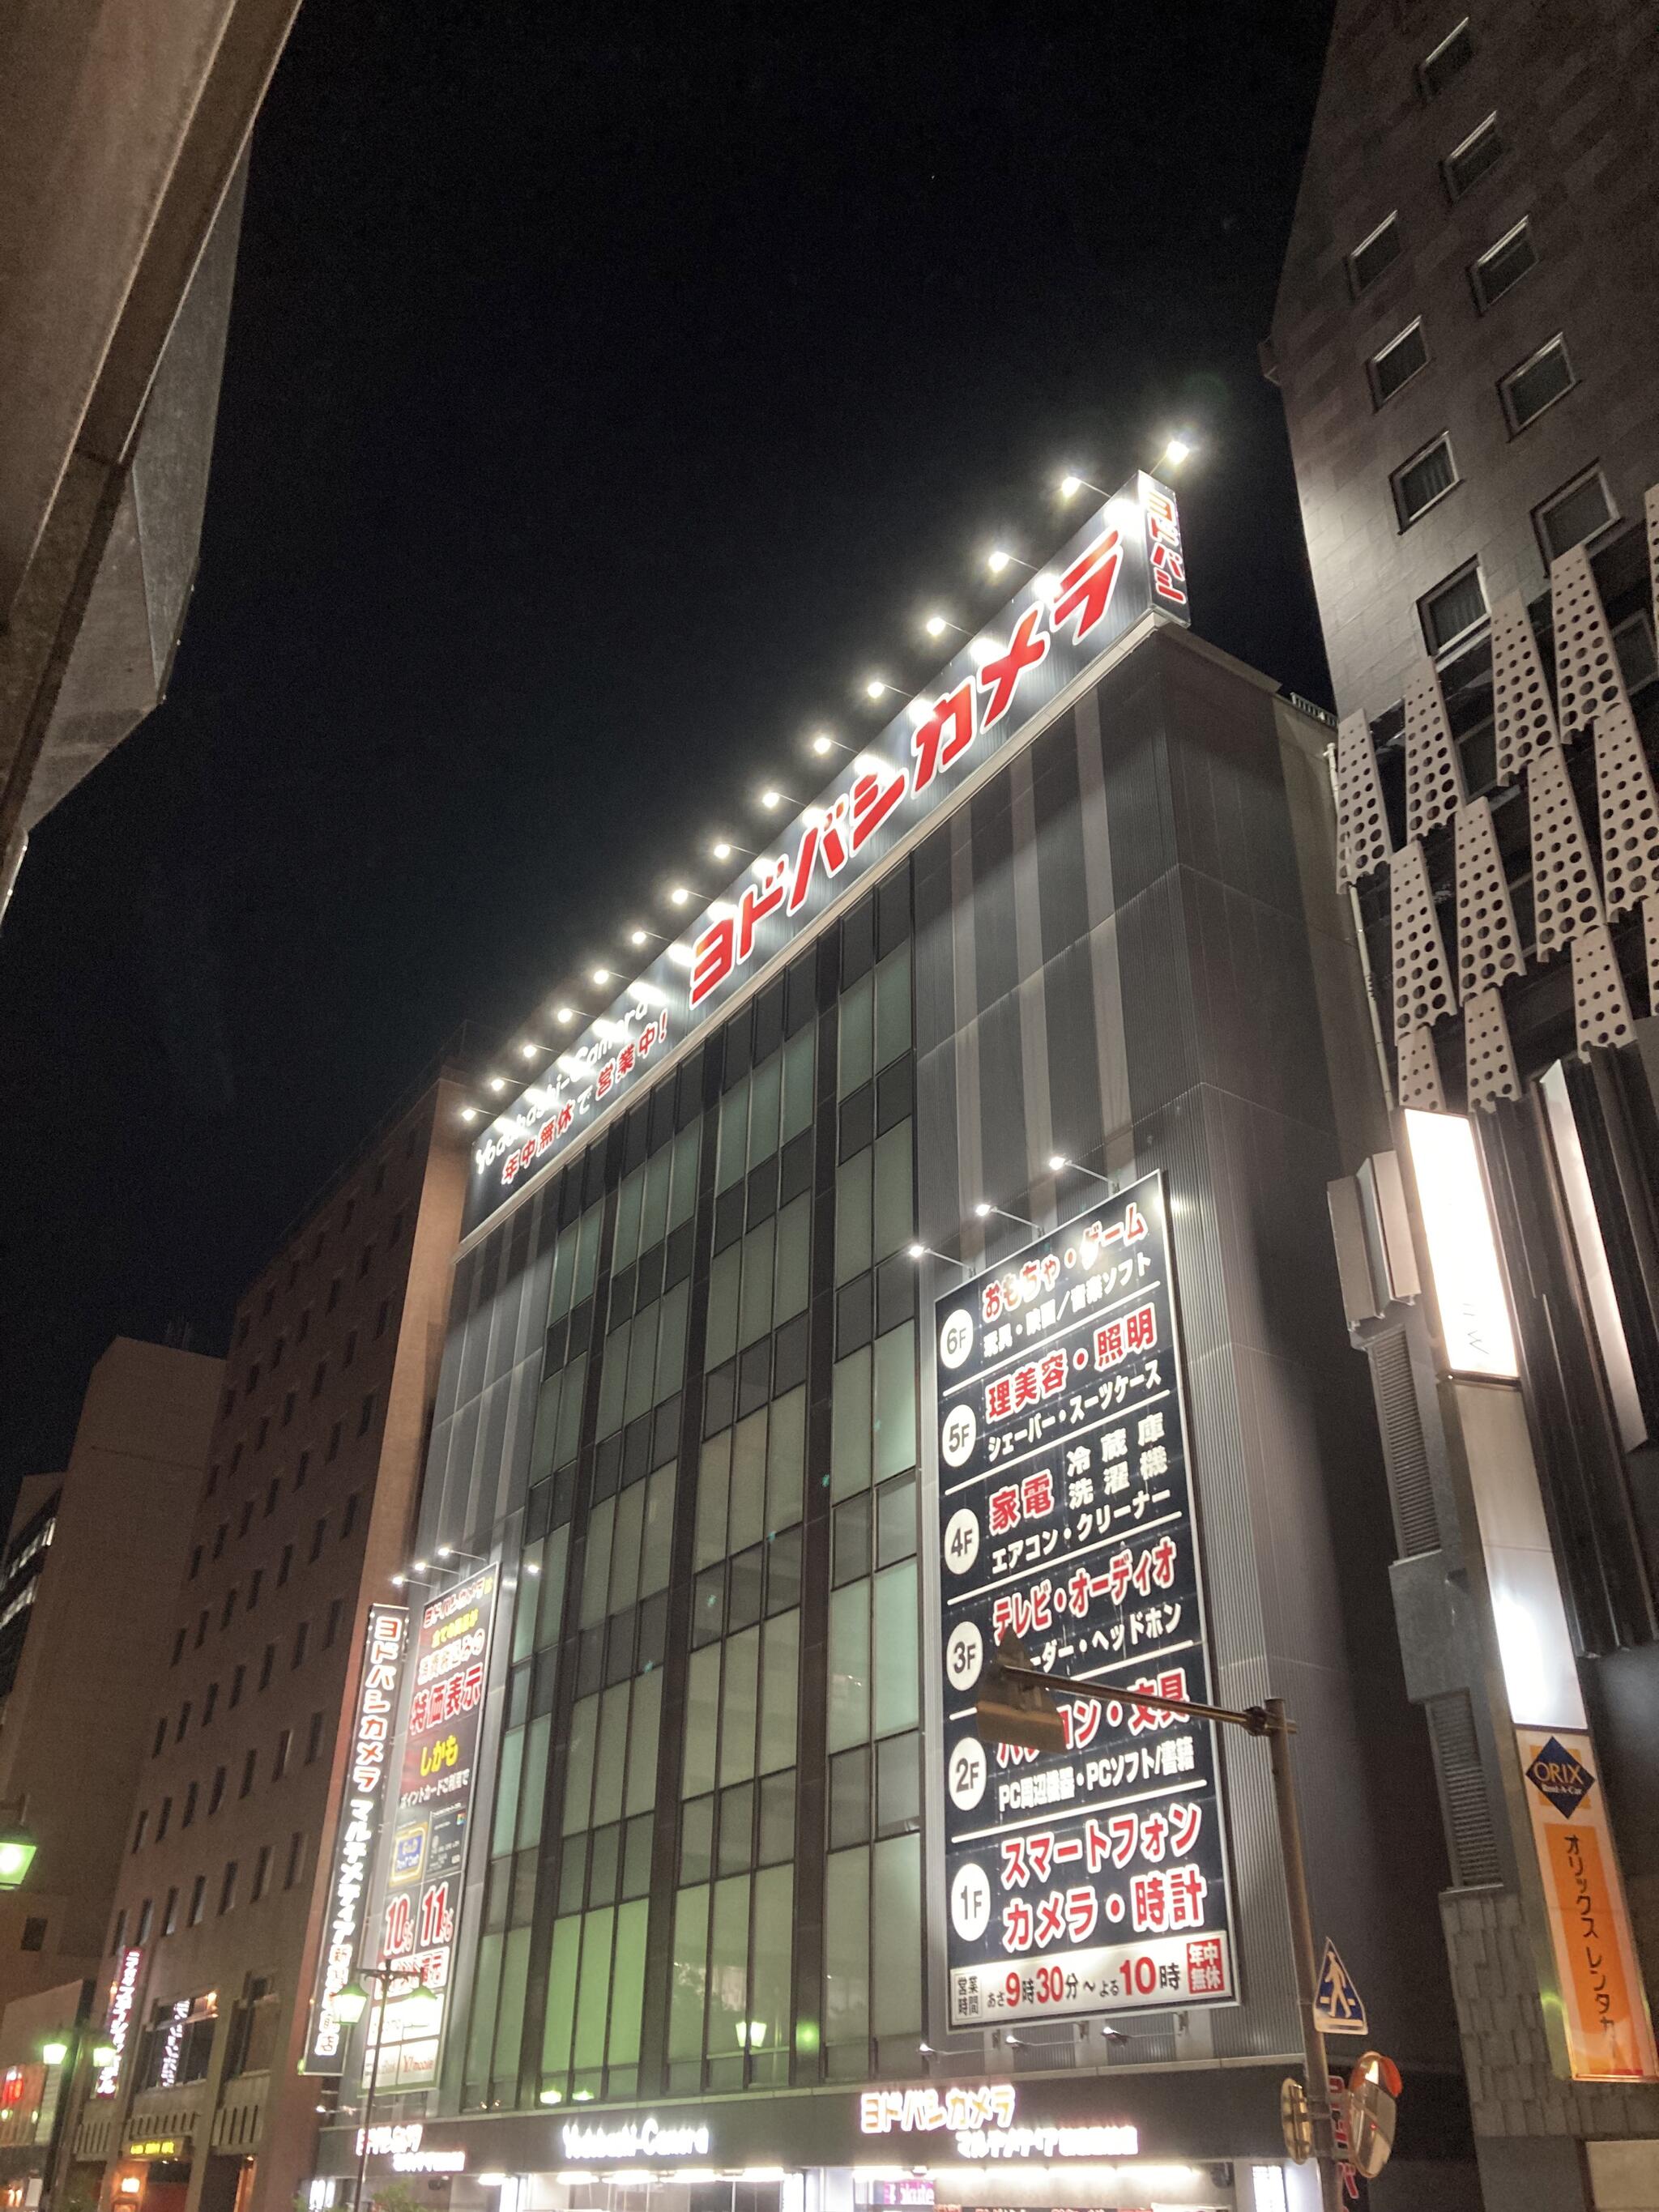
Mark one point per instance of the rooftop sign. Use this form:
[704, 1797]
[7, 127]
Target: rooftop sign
[1125, 560]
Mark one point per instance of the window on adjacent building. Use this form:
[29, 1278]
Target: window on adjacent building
[335, 1607]
[288, 1408]
[285, 1565]
[160, 1737]
[317, 1536]
[189, 1813]
[382, 1315]
[1503, 265]
[183, 1721]
[314, 1739]
[255, 1583]
[195, 1564]
[1425, 480]
[301, 1470]
[333, 1294]
[177, 1647]
[210, 1703]
[317, 1379]
[201, 1627]
[1537, 383]
[219, 1536]
[119, 1935]
[1374, 254]
[300, 1635]
[265, 1665]
[349, 1518]
[350, 1351]
[366, 1415]
[1453, 608]
[227, 1609]
[1578, 510]
[162, 1817]
[236, 1681]
[1632, 641]
[170, 1916]
[333, 1443]
[279, 1762]
[1466, 164]
[198, 1893]
[217, 1795]
[296, 1851]
[273, 1495]
[140, 1830]
[34, 1935]
[1449, 59]
[1398, 362]
[248, 1765]
[261, 1873]
[227, 1886]
[146, 1913]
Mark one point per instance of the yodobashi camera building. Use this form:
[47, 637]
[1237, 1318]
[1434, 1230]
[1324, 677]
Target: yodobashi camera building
[931, 1240]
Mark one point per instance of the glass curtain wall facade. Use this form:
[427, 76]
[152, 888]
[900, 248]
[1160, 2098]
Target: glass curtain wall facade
[711, 1652]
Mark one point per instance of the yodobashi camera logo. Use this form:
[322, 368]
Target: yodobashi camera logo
[646, 2138]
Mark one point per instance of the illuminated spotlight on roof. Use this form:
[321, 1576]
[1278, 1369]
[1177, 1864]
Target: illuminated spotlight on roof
[572, 1067]
[936, 625]
[822, 744]
[868, 764]
[1070, 485]
[469, 1113]
[528, 1050]
[680, 954]
[1176, 452]
[919, 710]
[983, 649]
[876, 687]
[498, 1083]
[564, 1016]
[996, 560]
[601, 977]
[720, 849]
[1046, 586]
[678, 896]
[636, 937]
[769, 799]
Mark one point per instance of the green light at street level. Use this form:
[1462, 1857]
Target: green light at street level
[54, 2053]
[17, 1850]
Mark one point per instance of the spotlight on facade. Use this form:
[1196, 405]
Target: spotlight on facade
[104, 2054]
[770, 799]
[876, 687]
[996, 560]
[678, 896]
[564, 1016]
[1070, 485]
[528, 1050]
[918, 1251]
[982, 1208]
[823, 745]
[720, 849]
[498, 1083]
[1176, 452]
[636, 937]
[601, 977]
[54, 2053]
[936, 625]
[469, 1114]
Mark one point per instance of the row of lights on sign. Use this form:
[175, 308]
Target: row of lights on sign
[997, 561]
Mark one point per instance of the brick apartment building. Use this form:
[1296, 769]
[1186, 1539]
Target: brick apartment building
[304, 1514]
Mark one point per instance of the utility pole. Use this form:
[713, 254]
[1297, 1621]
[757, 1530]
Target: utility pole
[1016, 1705]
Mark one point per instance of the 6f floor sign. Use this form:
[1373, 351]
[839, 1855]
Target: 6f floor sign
[1094, 1879]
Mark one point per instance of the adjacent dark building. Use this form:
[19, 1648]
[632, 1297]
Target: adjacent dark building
[1059, 957]
[1464, 339]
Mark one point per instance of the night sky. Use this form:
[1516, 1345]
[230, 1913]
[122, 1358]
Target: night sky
[609, 393]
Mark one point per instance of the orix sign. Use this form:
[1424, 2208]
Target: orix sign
[1126, 560]
[1093, 1880]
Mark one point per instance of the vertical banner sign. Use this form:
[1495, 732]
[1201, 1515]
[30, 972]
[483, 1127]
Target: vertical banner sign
[1092, 1880]
[1604, 2006]
[122, 1993]
[361, 1811]
[434, 1811]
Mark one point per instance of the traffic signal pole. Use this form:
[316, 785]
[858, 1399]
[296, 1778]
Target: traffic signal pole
[1268, 1720]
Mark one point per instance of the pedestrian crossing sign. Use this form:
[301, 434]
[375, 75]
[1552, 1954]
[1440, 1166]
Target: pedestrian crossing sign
[1338, 2008]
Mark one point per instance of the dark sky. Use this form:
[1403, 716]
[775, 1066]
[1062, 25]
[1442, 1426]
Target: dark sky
[608, 392]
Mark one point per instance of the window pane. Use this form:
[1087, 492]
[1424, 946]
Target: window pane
[613, 1379]
[524, 1603]
[579, 1773]
[794, 1252]
[748, 1483]
[895, 1212]
[713, 1486]
[728, 1966]
[596, 1567]
[895, 2006]
[1398, 363]
[850, 1425]
[628, 1985]
[641, 1364]
[682, 1187]
[547, 1428]
[895, 1413]
[755, 1314]
[846, 1948]
[587, 1253]
[850, 1797]
[659, 1532]
[653, 1211]
[593, 1996]
[625, 1549]
[893, 1007]
[564, 1272]
[1579, 515]
[670, 1343]
[691, 1974]
[732, 1158]
[570, 1411]
[852, 1181]
[898, 1785]
[1531, 389]
[641, 1792]
[780, 1660]
[1417, 487]
[1370, 260]
[768, 2006]
[786, 1460]
[533, 1787]
[798, 1085]
[702, 1692]
[895, 1521]
[609, 1756]
[723, 1278]
[561, 1999]
[1505, 263]
[1457, 607]
[895, 1618]
[506, 1792]
[555, 1557]
[738, 1707]
[765, 1085]
[481, 2033]
[849, 1666]
[626, 1248]
[509, 2031]
[857, 1038]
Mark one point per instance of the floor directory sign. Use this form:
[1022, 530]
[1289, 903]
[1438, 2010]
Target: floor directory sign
[1091, 1879]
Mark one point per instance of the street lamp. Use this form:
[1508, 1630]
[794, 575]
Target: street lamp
[423, 2008]
[17, 1850]
[55, 2052]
